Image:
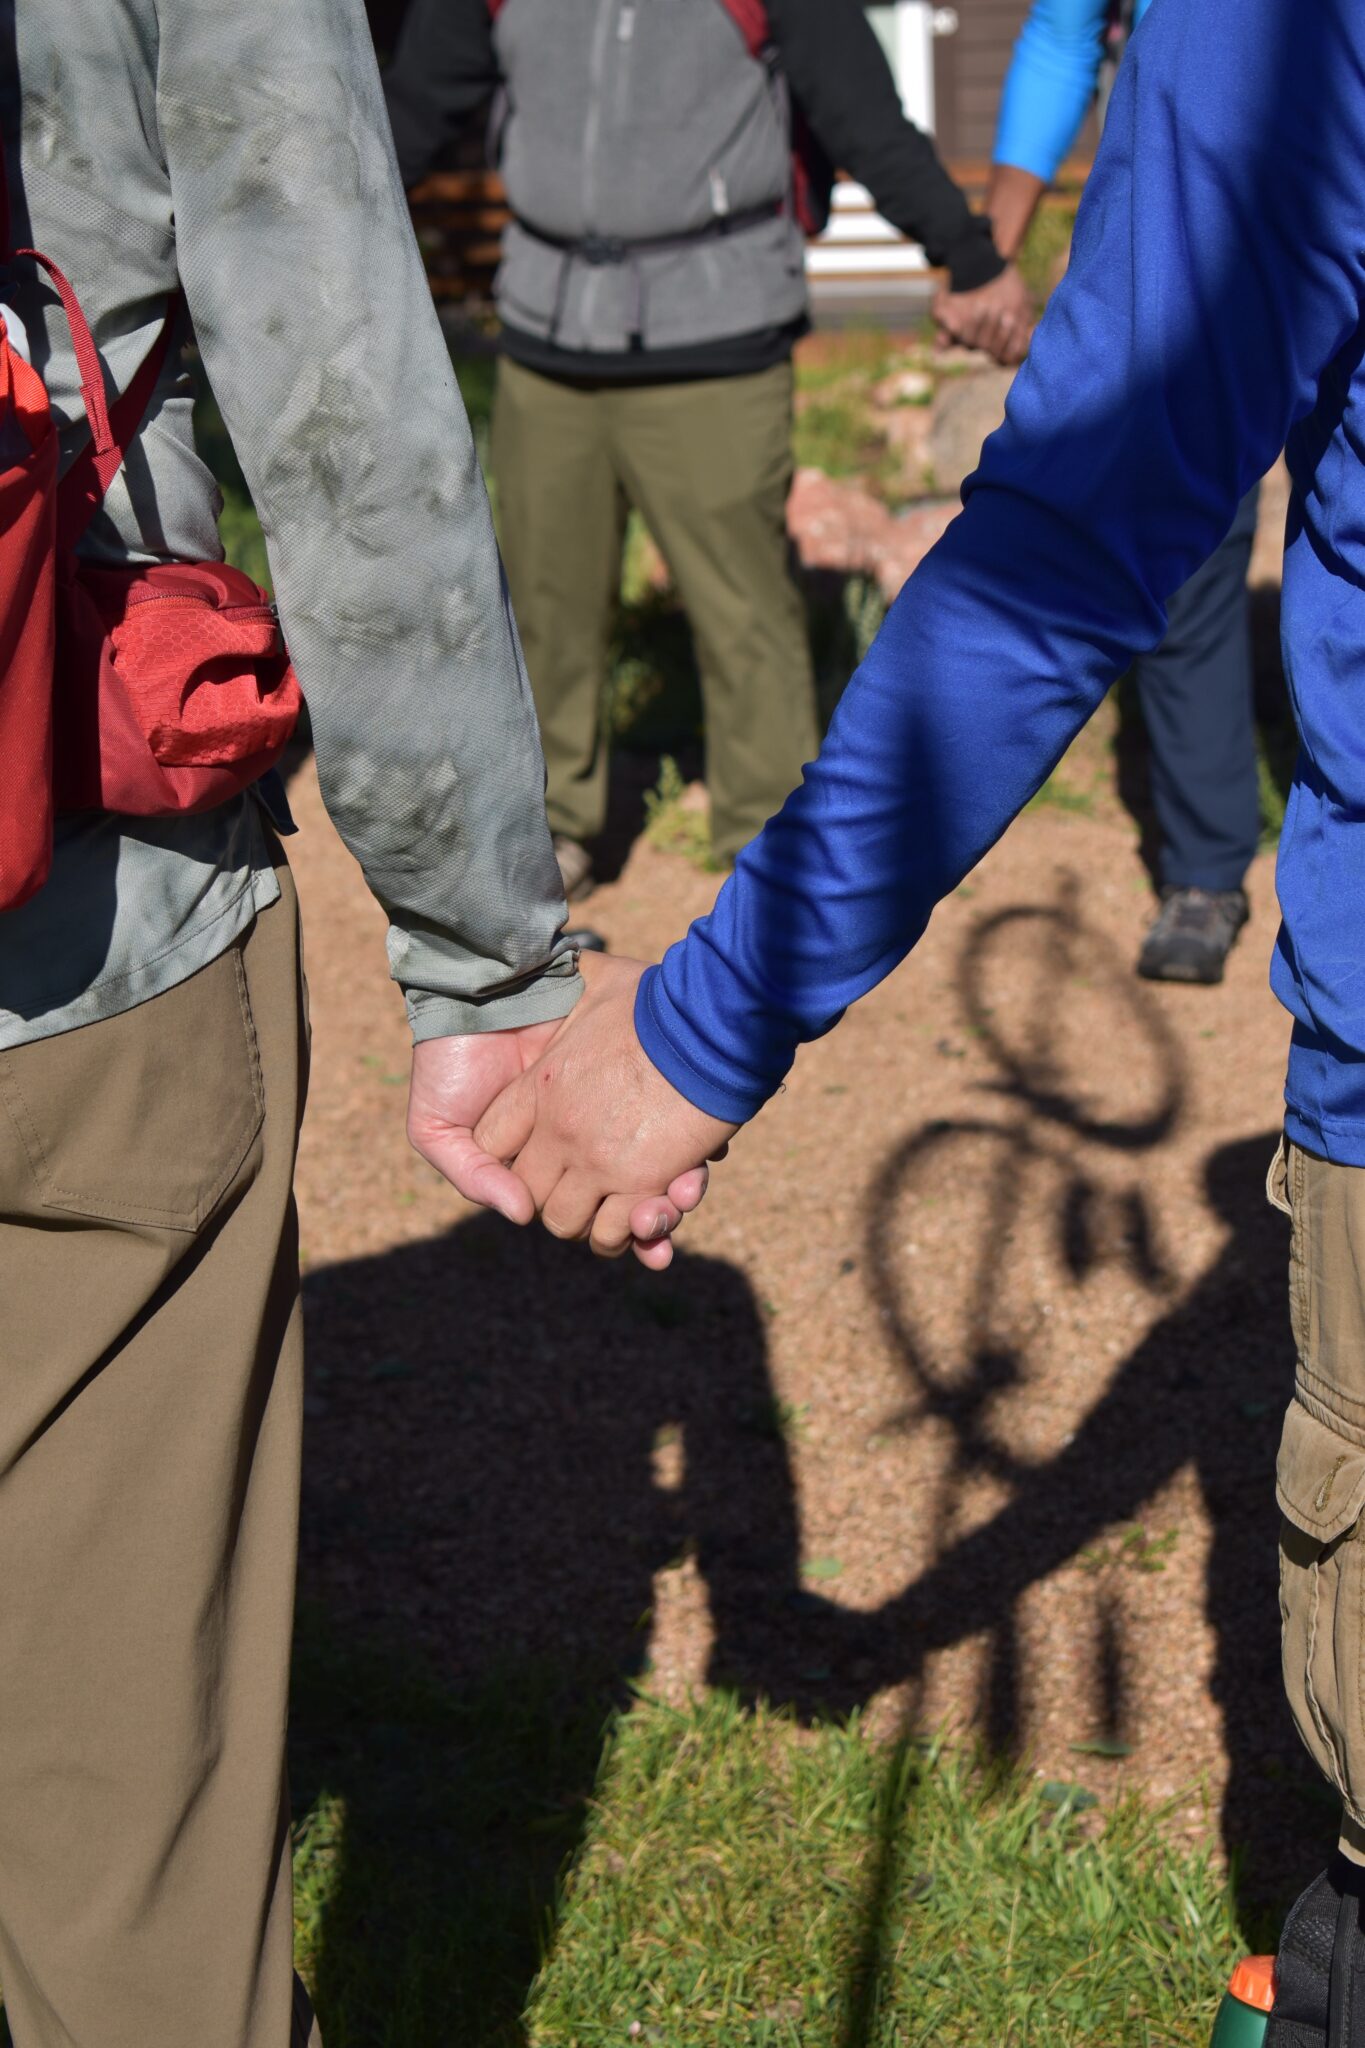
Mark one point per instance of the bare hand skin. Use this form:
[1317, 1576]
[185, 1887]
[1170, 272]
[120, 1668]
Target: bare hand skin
[1012, 199]
[453, 1082]
[594, 1129]
[997, 317]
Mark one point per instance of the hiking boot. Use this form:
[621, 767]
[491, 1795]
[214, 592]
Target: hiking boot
[1192, 934]
[575, 868]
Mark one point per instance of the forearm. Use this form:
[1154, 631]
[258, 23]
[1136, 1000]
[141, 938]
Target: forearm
[1012, 199]
[1049, 85]
[841, 78]
[1191, 332]
[318, 333]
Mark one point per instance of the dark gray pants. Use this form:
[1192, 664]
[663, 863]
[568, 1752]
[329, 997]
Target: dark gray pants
[1196, 697]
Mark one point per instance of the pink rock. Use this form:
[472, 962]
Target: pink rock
[908, 430]
[840, 526]
[836, 525]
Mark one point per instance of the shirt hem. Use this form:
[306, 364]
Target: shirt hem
[115, 994]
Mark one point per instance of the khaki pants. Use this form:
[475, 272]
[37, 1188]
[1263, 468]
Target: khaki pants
[149, 1460]
[708, 464]
[1321, 1473]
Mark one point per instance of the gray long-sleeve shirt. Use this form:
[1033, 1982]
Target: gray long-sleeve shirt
[242, 152]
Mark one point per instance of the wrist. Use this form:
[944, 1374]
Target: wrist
[974, 259]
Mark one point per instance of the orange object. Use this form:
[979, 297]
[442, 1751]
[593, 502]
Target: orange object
[1253, 1982]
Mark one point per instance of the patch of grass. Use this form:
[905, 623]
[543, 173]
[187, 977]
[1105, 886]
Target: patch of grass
[839, 435]
[671, 825]
[1135, 1551]
[1049, 236]
[1057, 794]
[745, 1884]
[653, 698]
[432, 1829]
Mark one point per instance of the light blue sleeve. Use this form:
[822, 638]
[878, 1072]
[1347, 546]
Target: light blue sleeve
[1050, 84]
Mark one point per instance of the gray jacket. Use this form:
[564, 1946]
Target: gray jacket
[242, 151]
[631, 122]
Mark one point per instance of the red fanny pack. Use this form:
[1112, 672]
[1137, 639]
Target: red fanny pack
[150, 690]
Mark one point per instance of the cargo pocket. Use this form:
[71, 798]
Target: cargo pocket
[1321, 1492]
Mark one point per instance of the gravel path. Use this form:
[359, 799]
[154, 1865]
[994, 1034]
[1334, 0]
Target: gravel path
[991, 1287]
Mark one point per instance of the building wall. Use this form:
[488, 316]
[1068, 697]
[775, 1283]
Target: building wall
[970, 62]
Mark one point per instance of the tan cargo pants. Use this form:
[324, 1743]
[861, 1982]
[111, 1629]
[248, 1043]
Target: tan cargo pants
[708, 464]
[1321, 1473]
[150, 1406]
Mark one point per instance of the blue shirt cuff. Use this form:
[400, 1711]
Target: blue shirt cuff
[663, 1032]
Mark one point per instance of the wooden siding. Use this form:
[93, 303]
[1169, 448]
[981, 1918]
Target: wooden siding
[969, 71]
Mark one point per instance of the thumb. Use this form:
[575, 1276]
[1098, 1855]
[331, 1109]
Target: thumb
[506, 1125]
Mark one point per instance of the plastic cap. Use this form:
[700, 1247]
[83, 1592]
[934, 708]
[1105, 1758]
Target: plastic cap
[1253, 1982]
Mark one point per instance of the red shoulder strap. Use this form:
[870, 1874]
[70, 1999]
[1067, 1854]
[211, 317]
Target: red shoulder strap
[112, 432]
[750, 17]
[81, 491]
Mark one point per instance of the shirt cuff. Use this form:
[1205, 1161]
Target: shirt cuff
[550, 996]
[663, 1032]
[974, 260]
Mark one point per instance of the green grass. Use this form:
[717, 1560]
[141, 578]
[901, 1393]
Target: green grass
[672, 827]
[528, 1867]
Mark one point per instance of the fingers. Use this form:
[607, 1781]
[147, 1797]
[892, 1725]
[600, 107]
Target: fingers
[618, 1224]
[475, 1175]
[506, 1125]
[572, 1204]
[689, 1189]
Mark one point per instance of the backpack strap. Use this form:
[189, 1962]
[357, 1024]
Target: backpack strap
[112, 431]
[82, 489]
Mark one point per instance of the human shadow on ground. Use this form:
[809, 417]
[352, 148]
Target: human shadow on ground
[1206, 1388]
[509, 1443]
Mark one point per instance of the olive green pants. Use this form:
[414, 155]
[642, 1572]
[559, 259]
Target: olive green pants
[1321, 1473]
[149, 1471]
[708, 464]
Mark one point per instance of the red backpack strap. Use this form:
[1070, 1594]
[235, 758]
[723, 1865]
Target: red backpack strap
[82, 489]
[112, 432]
[750, 17]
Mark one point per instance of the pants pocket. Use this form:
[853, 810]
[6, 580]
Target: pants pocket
[1321, 1492]
[143, 1119]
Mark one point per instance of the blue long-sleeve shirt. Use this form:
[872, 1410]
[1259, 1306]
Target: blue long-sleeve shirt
[1051, 82]
[1196, 333]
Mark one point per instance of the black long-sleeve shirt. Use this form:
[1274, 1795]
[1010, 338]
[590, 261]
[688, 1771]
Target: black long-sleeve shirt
[446, 67]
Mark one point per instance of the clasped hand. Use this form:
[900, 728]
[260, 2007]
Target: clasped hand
[569, 1121]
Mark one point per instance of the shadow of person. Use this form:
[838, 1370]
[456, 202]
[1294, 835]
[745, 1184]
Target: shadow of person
[507, 1443]
[1042, 1192]
[1205, 1388]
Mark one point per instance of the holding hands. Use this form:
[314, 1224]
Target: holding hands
[998, 317]
[568, 1120]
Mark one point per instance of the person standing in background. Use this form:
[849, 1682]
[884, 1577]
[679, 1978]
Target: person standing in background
[651, 291]
[1196, 687]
